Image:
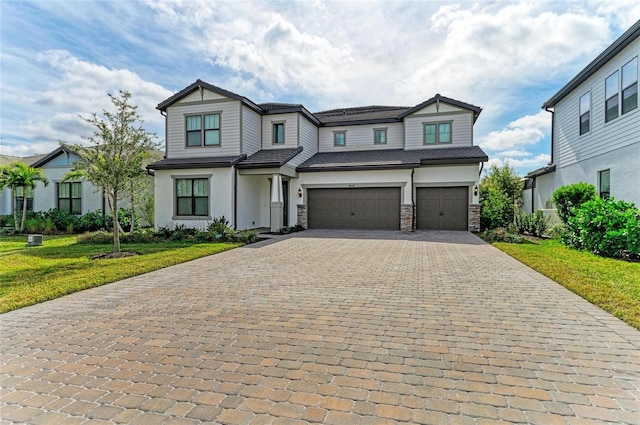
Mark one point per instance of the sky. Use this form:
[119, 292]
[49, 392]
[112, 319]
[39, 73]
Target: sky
[60, 59]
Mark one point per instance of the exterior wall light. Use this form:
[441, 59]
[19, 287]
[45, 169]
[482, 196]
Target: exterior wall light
[300, 192]
[475, 190]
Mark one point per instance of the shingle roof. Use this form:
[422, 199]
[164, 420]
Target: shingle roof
[269, 158]
[363, 113]
[199, 162]
[274, 106]
[616, 47]
[28, 160]
[392, 158]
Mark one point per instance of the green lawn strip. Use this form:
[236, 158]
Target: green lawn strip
[612, 285]
[60, 267]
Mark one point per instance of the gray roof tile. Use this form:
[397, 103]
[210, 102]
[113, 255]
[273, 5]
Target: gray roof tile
[199, 162]
[268, 158]
[392, 158]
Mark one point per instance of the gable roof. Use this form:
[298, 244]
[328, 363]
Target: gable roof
[199, 84]
[51, 155]
[438, 98]
[391, 159]
[28, 160]
[616, 47]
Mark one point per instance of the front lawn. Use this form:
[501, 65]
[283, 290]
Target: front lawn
[61, 266]
[613, 285]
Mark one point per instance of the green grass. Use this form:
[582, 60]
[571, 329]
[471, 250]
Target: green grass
[61, 266]
[613, 285]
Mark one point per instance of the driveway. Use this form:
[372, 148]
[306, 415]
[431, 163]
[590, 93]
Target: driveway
[324, 326]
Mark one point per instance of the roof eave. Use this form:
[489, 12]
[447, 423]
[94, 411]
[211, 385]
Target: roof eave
[358, 167]
[616, 47]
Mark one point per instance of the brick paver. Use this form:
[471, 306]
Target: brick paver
[324, 327]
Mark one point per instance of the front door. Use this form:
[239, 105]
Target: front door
[285, 202]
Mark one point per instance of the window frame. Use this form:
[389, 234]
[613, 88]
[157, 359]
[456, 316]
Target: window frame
[71, 198]
[274, 134]
[581, 114]
[608, 97]
[19, 198]
[633, 85]
[437, 134]
[344, 138]
[601, 193]
[380, 130]
[202, 131]
[176, 209]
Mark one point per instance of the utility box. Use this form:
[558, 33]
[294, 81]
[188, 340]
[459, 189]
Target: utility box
[34, 240]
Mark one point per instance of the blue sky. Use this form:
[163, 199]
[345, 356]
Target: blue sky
[59, 59]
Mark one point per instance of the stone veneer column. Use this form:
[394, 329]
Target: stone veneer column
[406, 217]
[474, 218]
[302, 215]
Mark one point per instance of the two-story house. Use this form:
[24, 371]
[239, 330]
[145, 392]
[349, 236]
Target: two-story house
[274, 164]
[595, 129]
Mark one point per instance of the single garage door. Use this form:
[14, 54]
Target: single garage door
[442, 208]
[354, 208]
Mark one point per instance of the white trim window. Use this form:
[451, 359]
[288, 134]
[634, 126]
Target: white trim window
[379, 136]
[278, 133]
[192, 197]
[630, 86]
[585, 113]
[339, 138]
[439, 132]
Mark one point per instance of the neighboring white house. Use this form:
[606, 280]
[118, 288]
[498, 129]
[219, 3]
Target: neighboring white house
[74, 197]
[274, 164]
[595, 129]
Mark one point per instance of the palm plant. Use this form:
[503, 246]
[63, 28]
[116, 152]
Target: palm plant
[19, 175]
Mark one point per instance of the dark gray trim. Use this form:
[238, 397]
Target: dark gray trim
[541, 171]
[438, 98]
[359, 168]
[52, 155]
[200, 162]
[162, 106]
[616, 47]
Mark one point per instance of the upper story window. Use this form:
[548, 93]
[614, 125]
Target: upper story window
[278, 133]
[192, 197]
[611, 97]
[380, 136]
[70, 197]
[203, 130]
[630, 86]
[585, 113]
[20, 198]
[339, 138]
[437, 133]
[604, 178]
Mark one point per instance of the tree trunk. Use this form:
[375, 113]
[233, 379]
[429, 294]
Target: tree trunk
[133, 214]
[24, 209]
[15, 210]
[116, 223]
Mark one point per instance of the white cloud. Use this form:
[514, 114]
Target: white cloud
[524, 131]
[521, 165]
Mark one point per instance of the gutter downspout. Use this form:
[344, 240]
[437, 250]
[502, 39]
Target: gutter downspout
[533, 191]
[235, 198]
[166, 147]
[413, 204]
[553, 125]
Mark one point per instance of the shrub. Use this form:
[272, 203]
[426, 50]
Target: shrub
[247, 236]
[101, 237]
[6, 221]
[569, 197]
[501, 234]
[220, 229]
[558, 230]
[92, 221]
[605, 227]
[531, 224]
[61, 219]
[496, 209]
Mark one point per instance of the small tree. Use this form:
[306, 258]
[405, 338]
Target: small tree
[118, 150]
[570, 197]
[19, 175]
[500, 196]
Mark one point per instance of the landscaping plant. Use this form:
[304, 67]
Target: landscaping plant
[500, 197]
[569, 197]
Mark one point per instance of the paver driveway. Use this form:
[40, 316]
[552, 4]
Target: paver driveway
[333, 327]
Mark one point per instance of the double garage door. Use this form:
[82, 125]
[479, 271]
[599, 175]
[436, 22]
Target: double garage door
[437, 208]
[442, 208]
[354, 208]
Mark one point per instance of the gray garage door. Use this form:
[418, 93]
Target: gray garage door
[354, 208]
[442, 208]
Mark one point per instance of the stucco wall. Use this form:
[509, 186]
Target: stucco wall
[220, 199]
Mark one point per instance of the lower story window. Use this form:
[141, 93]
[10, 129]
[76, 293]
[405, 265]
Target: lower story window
[192, 197]
[20, 198]
[70, 197]
[605, 184]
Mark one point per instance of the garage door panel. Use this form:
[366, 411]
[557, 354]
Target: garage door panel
[354, 208]
[442, 208]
